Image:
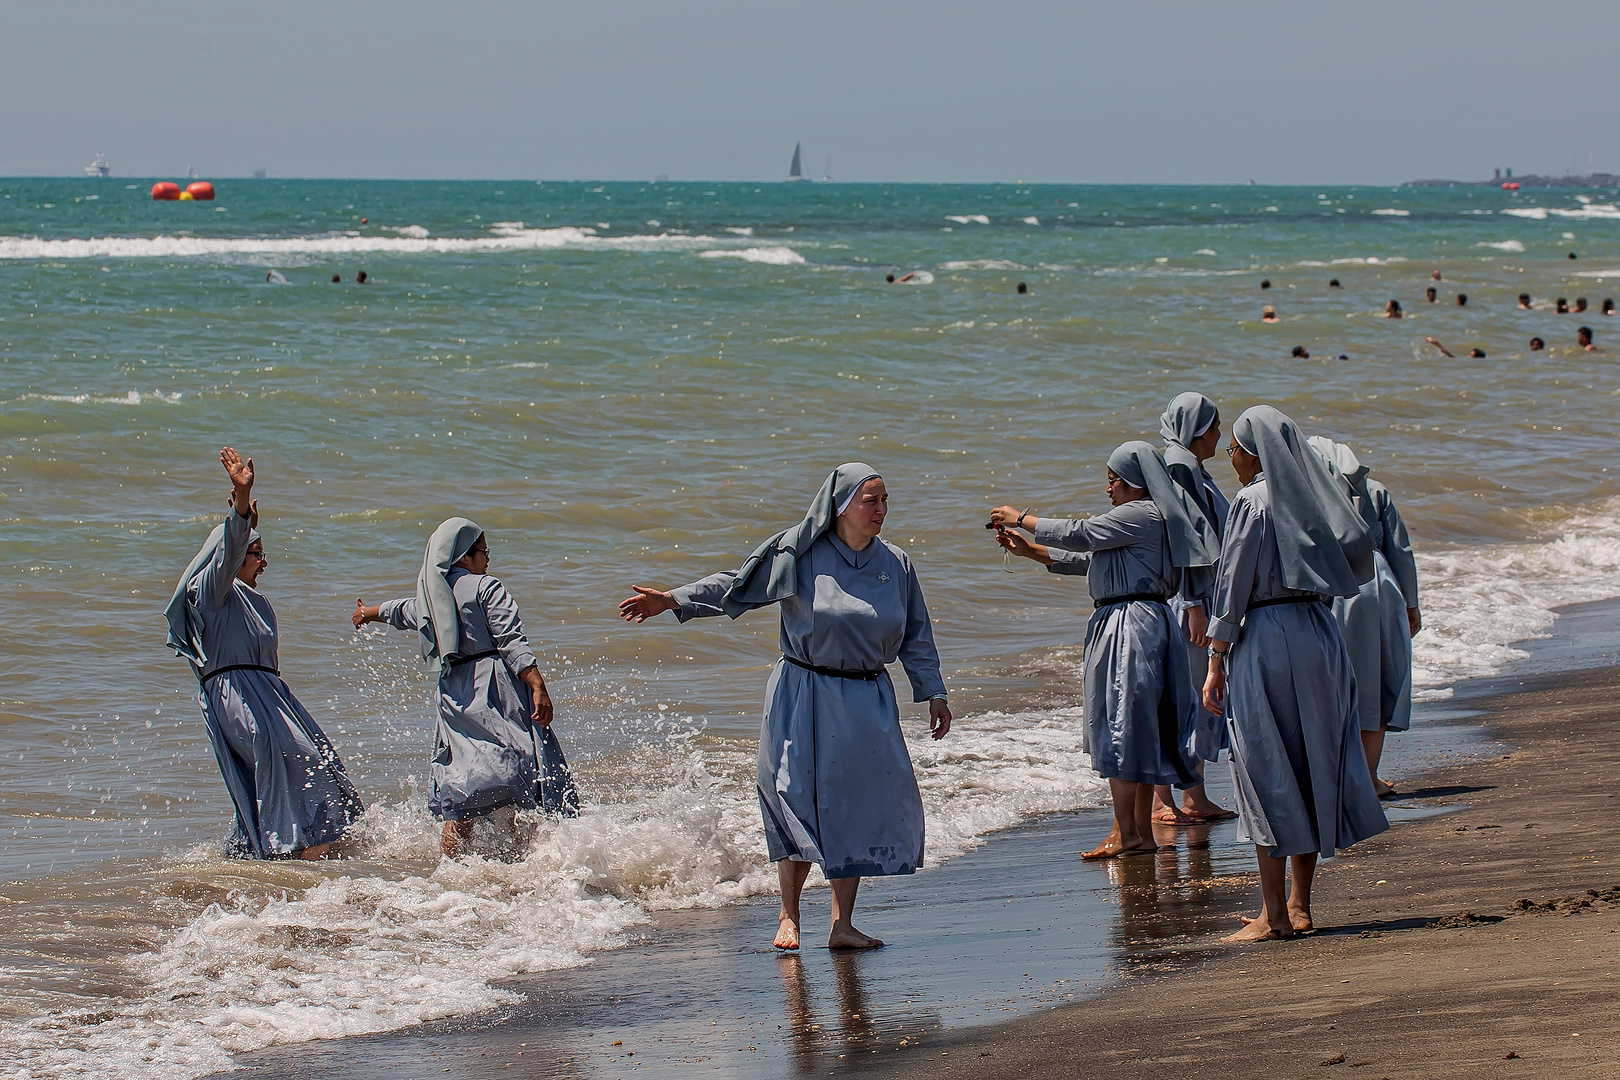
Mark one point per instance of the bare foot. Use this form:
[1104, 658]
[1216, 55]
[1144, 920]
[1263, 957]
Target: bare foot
[1299, 920]
[1383, 788]
[1203, 810]
[1255, 930]
[315, 851]
[845, 936]
[1170, 815]
[1113, 848]
[787, 933]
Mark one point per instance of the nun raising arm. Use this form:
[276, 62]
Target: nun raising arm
[1139, 703]
[494, 749]
[291, 795]
[834, 781]
[1279, 670]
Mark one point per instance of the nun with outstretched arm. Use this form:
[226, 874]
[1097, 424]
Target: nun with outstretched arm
[834, 781]
[1279, 669]
[291, 795]
[494, 751]
[1191, 428]
[1140, 709]
[1379, 621]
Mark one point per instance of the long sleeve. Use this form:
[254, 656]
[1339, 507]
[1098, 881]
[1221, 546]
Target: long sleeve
[701, 598]
[1120, 527]
[1234, 580]
[1070, 563]
[505, 625]
[400, 614]
[1397, 546]
[917, 652]
[215, 581]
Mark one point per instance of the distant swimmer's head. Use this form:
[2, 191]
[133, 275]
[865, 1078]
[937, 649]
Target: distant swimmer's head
[1300, 353]
[360, 278]
[1334, 284]
[1477, 353]
[1583, 338]
[1536, 344]
[889, 278]
[1524, 301]
[1608, 306]
[1435, 274]
[1022, 287]
[1580, 304]
[1462, 299]
[1265, 283]
[336, 278]
[1268, 314]
[1431, 294]
[1392, 310]
[1572, 254]
[1561, 306]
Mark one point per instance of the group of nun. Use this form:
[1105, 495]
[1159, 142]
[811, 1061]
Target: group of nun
[494, 751]
[1276, 627]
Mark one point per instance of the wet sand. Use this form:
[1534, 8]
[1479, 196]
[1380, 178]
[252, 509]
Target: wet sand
[1017, 959]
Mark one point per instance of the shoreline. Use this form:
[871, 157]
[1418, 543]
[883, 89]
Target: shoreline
[695, 990]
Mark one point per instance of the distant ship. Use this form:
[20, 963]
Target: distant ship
[826, 177]
[99, 167]
[796, 170]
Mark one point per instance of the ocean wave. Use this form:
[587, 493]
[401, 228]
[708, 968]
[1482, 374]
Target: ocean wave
[131, 397]
[1589, 212]
[1478, 603]
[773, 256]
[1502, 245]
[365, 953]
[982, 264]
[1388, 212]
[968, 219]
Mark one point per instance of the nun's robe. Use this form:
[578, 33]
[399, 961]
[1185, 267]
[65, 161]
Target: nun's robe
[834, 780]
[285, 779]
[1139, 708]
[1374, 621]
[487, 753]
[1298, 773]
[1209, 734]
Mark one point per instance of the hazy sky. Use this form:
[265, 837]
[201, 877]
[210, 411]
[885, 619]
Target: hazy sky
[1286, 92]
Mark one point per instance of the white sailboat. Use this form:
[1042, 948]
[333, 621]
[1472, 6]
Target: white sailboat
[99, 167]
[795, 170]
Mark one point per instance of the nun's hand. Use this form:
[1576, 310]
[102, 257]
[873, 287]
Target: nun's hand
[1007, 517]
[1024, 549]
[542, 711]
[645, 604]
[1215, 686]
[939, 718]
[1198, 625]
[363, 614]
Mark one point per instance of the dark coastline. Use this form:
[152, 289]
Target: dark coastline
[1015, 960]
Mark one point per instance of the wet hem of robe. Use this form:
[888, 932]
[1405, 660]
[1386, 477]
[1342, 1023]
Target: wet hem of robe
[466, 810]
[859, 870]
[237, 845]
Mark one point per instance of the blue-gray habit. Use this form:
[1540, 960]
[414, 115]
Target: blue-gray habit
[1139, 708]
[834, 780]
[1374, 623]
[487, 753]
[285, 780]
[1298, 772]
[1189, 416]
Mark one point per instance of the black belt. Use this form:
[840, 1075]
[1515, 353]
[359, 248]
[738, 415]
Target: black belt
[836, 673]
[457, 661]
[238, 667]
[1152, 598]
[1312, 598]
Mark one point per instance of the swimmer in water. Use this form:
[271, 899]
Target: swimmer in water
[1300, 353]
[1022, 288]
[1560, 306]
[905, 277]
[360, 278]
[1435, 274]
[1580, 305]
[1334, 284]
[1476, 354]
[1265, 283]
[1572, 254]
[889, 278]
[1608, 306]
[1524, 301]
[1462, 299]
[1436, 343]
[337, 279]
[1430, 294]
[1536, 344]
[1583, 338]
[1268, 314]
[1392, 310]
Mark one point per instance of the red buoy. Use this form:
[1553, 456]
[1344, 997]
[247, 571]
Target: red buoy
[165, 191]
[1511, 185]
[200, 189]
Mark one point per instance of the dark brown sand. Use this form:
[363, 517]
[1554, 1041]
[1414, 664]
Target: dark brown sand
[1482, 943]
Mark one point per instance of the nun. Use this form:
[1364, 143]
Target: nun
[1191, 428]
[1140, 708]
[834, 780]
[1379, 621]
[291, 795]
[494, 751]
[1279, 670]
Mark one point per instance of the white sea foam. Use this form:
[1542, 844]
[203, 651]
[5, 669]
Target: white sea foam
[1502, 245]
[774, 256]
[413, 232]
[1477, 603]
[982, 264]
[358, 954]
[1206, 251]
[1614, 273]
[1387, 212]
[131, 397]
[740, 230]
[1587, 212]
[968, 219]
[1032, 221]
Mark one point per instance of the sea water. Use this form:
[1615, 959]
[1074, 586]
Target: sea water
[635, 383]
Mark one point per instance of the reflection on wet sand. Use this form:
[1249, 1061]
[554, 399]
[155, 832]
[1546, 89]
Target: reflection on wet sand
[855, 1026]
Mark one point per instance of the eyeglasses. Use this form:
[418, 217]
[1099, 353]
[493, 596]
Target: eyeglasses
[479, 551]
[255, 554]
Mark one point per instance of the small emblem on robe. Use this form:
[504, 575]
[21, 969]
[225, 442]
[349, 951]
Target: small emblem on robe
[883, 578]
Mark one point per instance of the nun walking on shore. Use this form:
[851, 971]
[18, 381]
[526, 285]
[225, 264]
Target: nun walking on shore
[1139, 704]
[1379, 621]
[291, 795]
[834, 781]
[1278, 666]
[1191, 427]
[494, 749]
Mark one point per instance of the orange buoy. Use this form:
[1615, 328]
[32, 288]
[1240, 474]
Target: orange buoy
[1511, 185]
[165, 191]
[200, 189]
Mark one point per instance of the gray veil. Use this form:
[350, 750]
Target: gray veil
[1183, 420]
[184, 637]
[1193, 546]
[435, 601]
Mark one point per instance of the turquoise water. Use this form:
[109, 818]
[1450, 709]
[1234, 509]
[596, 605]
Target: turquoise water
[634, 383]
